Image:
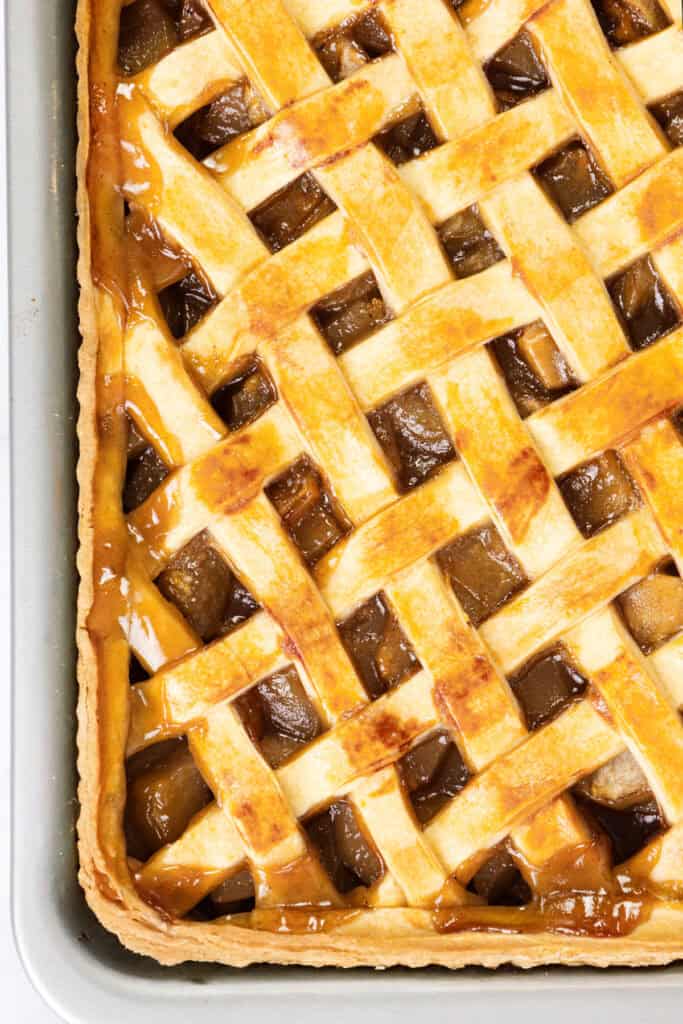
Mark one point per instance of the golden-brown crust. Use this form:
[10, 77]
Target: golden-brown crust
[219, 485]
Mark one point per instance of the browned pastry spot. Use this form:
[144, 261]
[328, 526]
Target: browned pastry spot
[433, 772]
[483, 573]
[291, 212]
[574, 179]
[547, 685]
[641, 297]
[344, 49]
[499, 881]
[234, 112]
[669, 113]
[351, 312]
[279, 716]
[344, 850]
[599, 492]
[653, 609]
[535, 371]
[378, 647]
[311, 515]
[149, 29]
[517, 72]
[412, 435]
[469, 244]
[200, 583]
[625, 21]
[165, 790]
[407, 139]
[145, 470]
[628, 829]
[245, 396]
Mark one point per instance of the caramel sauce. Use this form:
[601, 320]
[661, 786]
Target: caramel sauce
[299, 922]
[173, 891]
[301, 884]
[574, 894]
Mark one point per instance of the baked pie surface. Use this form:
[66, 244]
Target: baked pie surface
[381, 475]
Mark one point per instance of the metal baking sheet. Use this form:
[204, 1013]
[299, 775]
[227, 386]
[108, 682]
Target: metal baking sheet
[81, 971]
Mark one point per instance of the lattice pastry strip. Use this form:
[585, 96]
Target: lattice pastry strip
[573, 588]
[512, 788]
[431, 42]
[510, 475]
[473, 698]
[436, 330]
[606, 410]
[641, 709]
[213, 230]
[605, 104]
[190, 76]
[251, 24]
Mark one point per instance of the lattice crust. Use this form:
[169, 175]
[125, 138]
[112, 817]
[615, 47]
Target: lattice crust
[425, 443]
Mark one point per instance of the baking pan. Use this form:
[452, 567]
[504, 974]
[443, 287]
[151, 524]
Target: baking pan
[81, 971]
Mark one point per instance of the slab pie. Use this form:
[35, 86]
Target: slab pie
[381, 480]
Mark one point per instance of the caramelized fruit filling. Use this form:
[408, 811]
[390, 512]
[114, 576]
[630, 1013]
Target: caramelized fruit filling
[628, 829]
[291, 212]
[483, 573]
[574, 180]
[669, 113]
[646, 308]
[203, 587]
[149, 29]
[407, 139]
[244, 397]
[620, 783]
[233, 896]
[653, 609]
[625, 21]
[278, 715]
[345, 852]
[352, 312]
[163, 263]
[222, 120]
[352, 44]
[535, 371]
[546, 686]
[378, 648]
[599, 492]
[517, 72]
[469, 244]
[499, 881]
[412, 436]
[165, 790]
[137, 673]
[311, 516]
[144, 470]
[433, 772]
[186, 302]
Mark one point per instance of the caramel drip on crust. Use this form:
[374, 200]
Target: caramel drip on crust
[101, 472]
